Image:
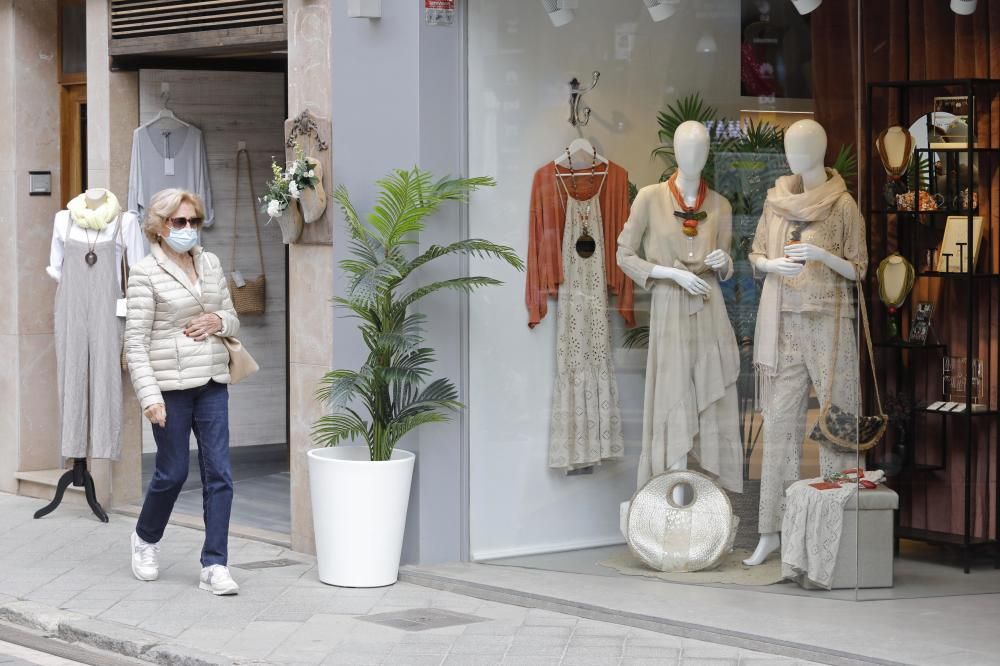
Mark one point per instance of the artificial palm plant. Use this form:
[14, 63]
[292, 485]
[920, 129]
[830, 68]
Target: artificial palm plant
[391, 393]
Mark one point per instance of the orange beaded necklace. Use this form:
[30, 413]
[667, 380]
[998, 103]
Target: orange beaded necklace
[690, 215]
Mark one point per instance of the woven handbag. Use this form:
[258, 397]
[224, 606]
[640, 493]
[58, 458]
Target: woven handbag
[840, 430]
[249, 298]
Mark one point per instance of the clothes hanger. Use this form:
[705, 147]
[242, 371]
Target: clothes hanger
[164, 113]
[579, 145]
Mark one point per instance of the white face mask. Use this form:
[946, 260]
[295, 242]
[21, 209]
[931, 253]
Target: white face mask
[182, 240]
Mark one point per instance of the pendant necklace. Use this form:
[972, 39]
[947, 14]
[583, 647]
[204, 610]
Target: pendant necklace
[91, 256]
[585, 243]
[690, 216]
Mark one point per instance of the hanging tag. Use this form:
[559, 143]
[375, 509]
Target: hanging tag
[121, 307]
[168, 166]
[238, 279]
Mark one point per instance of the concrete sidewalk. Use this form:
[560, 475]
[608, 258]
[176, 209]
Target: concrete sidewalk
[69, 575]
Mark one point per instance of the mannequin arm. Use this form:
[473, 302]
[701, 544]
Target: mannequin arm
[782, 266]
[809, 252]
[685, 279]
[56, 253]
[721, 263]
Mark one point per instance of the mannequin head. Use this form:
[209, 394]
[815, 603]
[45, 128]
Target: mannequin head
[805, 146]
[691, 145]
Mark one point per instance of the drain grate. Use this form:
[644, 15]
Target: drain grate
[421, 619]
[267, 564]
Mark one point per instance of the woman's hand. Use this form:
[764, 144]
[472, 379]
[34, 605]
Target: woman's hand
[157, 414]
[203, 326]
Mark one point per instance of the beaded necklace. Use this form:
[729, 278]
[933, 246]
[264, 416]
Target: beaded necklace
[690, 215]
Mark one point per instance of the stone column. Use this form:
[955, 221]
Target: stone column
[310, 263]
[29, 140]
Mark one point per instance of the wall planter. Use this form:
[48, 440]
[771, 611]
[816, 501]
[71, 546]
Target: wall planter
[290, 222]
[359, 514]
[313, 199]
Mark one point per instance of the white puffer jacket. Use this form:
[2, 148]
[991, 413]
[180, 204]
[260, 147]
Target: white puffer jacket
[161, 303]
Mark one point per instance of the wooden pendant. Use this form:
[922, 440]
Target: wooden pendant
[586, 245]
[90, 258]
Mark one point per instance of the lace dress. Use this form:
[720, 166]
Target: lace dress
[586, 425]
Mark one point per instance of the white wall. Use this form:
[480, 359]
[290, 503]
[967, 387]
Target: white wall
[230, 107]
[519, 66]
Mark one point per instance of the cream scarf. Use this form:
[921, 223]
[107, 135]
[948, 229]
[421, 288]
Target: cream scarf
[86, 218]
[786, 202]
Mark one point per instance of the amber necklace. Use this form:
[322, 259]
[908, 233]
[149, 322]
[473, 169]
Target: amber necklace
[894, 171]
[585, 244]
[690, 215]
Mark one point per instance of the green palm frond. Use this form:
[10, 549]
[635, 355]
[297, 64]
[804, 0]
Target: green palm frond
[636, 338]
[392, 392]
[846, 163]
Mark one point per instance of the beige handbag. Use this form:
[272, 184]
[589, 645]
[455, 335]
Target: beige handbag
[241, 363]
[249, 298]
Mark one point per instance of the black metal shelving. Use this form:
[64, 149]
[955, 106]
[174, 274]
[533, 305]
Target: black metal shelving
[982, 93]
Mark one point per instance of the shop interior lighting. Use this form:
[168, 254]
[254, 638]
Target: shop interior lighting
[661, 10]
[806, 6]
[963, 7]
[560, 12]
[706, 44]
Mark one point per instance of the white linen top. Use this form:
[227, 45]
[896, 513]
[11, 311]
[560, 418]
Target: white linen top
[131, 238]
[151, 146]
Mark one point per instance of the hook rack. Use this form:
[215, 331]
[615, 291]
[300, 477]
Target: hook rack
[580, 115]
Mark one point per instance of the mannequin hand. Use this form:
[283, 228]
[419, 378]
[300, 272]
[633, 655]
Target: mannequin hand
[203, 326]
[717, 260]
[781, 266]
[806, 252]
[687, 280]
[157, 414]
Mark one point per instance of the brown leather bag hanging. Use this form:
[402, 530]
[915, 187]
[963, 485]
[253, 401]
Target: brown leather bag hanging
[249, 298]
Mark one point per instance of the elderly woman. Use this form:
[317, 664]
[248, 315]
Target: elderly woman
[179, 309]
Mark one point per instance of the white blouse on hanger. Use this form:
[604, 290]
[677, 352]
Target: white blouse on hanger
[168, 157]
[131, 238]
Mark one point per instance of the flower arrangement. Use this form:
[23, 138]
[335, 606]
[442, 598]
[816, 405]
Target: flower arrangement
[277, 194]
[287, 184]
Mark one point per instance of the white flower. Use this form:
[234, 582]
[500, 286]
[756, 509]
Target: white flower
[274, 208]
[293, 189]
[311, 174]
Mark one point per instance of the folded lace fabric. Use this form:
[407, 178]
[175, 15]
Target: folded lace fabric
[813, 525]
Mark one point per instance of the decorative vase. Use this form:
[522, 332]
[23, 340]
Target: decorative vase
[313, 200]
[359, 514]
[290, 222]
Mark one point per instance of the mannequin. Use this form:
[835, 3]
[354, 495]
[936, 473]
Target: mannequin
[894, 147]
[89, 239]
[675, 245]
[810, 247]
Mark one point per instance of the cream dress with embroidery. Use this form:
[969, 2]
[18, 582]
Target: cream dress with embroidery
[693, 363]
[586, 425]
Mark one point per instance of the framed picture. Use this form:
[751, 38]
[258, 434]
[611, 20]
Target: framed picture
[951, 120]
[921, 324]
[957, 244]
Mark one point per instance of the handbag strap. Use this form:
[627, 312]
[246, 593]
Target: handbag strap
[236, 208]
[865, 331]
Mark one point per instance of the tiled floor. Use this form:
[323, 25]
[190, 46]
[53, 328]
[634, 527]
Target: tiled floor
[284, 615]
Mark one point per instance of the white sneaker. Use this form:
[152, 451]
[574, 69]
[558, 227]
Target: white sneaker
[216, 579]
[145, 559]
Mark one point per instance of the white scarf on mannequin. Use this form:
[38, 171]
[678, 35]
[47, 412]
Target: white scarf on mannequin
[98, 219]
[787, 202]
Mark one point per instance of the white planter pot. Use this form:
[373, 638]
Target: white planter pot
[359, 514]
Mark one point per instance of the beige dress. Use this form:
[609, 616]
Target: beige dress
[694, 362]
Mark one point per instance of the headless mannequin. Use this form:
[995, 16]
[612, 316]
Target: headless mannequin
[805, 148]
[894, 144]
[691, 146]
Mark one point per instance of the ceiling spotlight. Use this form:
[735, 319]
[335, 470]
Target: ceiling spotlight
[706, 44]
[661, 10]
[963, 7]
[806, 6]
[560, 12]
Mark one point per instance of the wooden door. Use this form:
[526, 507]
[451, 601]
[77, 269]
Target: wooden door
[73, 145]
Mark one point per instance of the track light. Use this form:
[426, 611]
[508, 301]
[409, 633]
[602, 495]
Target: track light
[560, 12]
[963, 7]
[661, 10]
[806, 6]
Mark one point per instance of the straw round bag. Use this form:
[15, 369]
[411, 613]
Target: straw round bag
[248, 298]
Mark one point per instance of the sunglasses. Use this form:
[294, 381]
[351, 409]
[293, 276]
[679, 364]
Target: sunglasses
[179, 223]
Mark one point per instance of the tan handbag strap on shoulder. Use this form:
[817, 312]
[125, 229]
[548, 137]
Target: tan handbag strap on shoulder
[242, 152]
[865, 332]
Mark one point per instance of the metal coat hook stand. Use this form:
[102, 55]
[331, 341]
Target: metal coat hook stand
[579, 115]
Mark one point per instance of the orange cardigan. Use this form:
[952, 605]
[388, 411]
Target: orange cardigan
[548, 220]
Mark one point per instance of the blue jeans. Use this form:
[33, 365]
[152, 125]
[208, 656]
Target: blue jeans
[204, 410]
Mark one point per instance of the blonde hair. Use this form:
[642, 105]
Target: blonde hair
[163, 205]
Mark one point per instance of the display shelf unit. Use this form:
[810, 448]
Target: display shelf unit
[969, 296]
